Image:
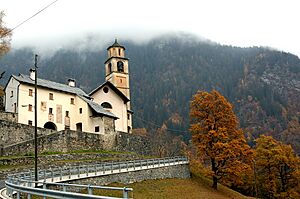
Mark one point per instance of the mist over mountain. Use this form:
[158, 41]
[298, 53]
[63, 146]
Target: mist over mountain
[262, 84]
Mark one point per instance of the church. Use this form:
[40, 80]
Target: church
[65, 106]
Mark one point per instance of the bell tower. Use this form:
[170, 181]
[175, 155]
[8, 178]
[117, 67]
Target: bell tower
[116, 68]
[117, 72]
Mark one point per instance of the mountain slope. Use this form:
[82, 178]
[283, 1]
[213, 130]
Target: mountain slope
[263, 84]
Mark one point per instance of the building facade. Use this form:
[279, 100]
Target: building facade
[65, 106]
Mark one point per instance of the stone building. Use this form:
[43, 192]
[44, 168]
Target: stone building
[65, 106]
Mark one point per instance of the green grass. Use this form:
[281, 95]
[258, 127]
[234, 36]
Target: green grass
[194, 188]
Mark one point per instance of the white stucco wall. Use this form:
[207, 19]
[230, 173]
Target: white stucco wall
[61, 99]
[11, 95]
[118, 107]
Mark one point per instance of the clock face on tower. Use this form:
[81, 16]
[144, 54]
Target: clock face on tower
[120, 66]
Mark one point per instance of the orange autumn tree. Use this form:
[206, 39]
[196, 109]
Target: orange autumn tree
[216, 136]
[277, 169]
[5, 36]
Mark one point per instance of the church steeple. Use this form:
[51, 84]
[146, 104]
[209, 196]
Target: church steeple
[116, 68]
[116, 50]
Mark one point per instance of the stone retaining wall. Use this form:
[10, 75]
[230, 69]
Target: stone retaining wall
[176, 171]
[12, 133]
[62, 141]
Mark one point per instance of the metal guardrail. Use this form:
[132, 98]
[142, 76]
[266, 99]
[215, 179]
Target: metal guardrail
[24, 182]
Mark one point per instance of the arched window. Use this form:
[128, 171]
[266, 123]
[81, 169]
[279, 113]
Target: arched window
[120, 66]
[106, 105]
[109, 68]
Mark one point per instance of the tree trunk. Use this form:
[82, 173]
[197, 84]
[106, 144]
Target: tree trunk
[214, 169]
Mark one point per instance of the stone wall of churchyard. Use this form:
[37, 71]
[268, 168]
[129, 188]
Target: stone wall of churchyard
[1, 103]
[139, 144]
[62, 141]
[12, 133]
[67, 140]
[13, 117]
[17, 139]
[176, 171]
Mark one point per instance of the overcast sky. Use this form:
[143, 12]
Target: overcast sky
[273, 23]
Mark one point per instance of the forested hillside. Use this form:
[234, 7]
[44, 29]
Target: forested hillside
[263, 84]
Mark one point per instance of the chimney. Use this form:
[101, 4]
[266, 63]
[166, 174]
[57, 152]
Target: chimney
[32, 74]
[71, 82]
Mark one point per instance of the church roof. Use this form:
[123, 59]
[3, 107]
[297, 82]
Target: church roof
[51, 85]
[98, 108]
[115, 89]
[65, 88]
[116, 44]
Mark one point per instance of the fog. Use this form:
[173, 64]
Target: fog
[68, 23]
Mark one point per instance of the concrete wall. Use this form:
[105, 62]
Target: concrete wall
[176, 171]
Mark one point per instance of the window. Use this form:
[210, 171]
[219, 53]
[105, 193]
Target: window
[106, 105]
[67, 113]
[30, 92]
[109, 68]
[128, 116]
[43, 106]
[97, 129]
[120, 66]
[11, 93]
[119, 51]
[105, 90]
[80, 110]
[50, 96]
[50, 111]
[72, 101]
[29, 107]
[29, 122]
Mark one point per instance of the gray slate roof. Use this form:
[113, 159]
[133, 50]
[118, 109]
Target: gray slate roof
[68, 89]
[98, 108]
[51, 85]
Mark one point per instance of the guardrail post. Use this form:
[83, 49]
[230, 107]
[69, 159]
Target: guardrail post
[125, 193]
[95, 169]
[52, 175]
[87, 170]
[103, 165]
[119, 167]
[64, 188]
[44, 187]
[44, 175]
[90, 190]
[134, 165]
[60, 177]
[70, 173]
[30, 175]
[127, 165]
[111, 167]
[78, 171]
[147, 163]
